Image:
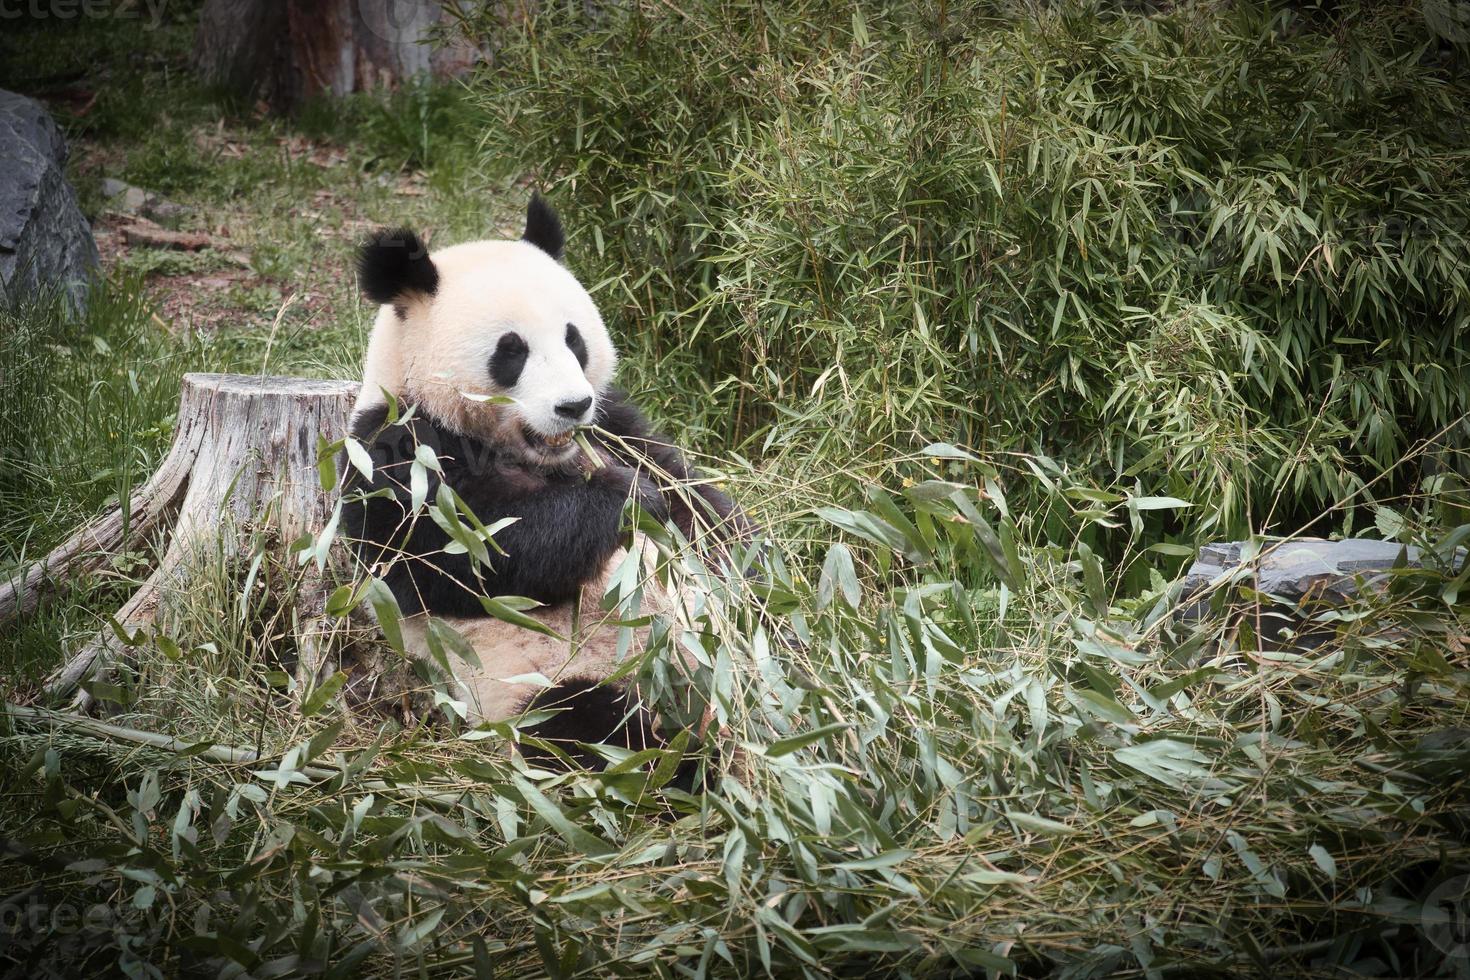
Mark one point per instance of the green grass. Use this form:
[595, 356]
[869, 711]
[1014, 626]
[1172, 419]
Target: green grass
[87, 412]
[990, 319]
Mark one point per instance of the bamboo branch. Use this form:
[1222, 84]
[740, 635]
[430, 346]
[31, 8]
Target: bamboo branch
[223, 754]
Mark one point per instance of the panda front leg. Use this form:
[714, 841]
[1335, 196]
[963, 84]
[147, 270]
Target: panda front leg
[565, 530]
[566, 527]
[580, 702]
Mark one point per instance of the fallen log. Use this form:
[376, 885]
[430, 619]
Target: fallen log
[145, 236]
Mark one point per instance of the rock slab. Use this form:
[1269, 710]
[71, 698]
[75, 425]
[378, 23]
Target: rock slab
[136, 200]
[1304, 568]
[45, 243]
[1297, 576]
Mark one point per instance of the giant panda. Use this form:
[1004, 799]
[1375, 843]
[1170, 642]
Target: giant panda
[492, 355]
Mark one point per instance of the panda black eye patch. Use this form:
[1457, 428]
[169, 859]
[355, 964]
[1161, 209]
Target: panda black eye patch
[508, 360]
[577, 345]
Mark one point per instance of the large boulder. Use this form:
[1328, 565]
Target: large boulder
[1296, 579]
[45, 243]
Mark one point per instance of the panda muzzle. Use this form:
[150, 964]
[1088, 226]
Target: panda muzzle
[559, 441]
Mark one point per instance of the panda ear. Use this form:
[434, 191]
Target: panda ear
[543, 227]
[394, 264]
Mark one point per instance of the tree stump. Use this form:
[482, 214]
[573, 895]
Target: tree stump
[244, 455]
[287, 52]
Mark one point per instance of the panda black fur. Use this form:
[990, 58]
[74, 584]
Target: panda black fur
[486, 319]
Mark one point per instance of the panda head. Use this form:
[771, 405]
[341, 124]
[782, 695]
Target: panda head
[495, 339]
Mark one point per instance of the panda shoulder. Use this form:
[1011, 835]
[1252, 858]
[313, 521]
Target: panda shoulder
[368, 421]
[620, 415]
[389, 441]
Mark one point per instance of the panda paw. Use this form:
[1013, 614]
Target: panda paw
[651, 499]
[628, 482]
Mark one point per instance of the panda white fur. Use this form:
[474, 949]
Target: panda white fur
[456, 329]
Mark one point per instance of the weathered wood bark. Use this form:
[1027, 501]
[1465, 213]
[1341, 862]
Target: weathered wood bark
[244, 455]
[288, 51]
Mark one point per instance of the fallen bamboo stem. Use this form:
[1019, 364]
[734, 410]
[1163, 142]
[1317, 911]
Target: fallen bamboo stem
[223, 754]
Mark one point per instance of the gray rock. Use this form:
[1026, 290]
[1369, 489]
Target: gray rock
[1302, 568]
[45, 243]
[136, 200]
[123, 195]
[1298, 577]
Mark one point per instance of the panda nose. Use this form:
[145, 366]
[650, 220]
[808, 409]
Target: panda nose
[574, 410]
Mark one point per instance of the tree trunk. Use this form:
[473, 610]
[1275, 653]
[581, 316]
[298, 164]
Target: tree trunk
[244, 456]
[286, 52]
[238, 46]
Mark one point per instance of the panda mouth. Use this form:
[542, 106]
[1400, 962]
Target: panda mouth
[557, 442]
